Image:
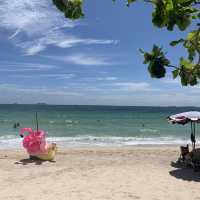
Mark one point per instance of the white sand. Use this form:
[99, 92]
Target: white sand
[98, 173]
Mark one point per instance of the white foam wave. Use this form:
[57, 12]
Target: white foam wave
[144, 130]
[12, 142]
[69, 121]
[115, 141]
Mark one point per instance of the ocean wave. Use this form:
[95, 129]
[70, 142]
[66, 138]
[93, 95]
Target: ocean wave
[69, 121]
[115, 141]
[148, 130]
[10, 142]
[6, 137]
[5, 120]
[7, 142]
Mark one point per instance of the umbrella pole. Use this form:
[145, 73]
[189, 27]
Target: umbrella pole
[194, 134]
[191, 133]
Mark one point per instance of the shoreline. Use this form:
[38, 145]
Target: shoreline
[106, 147]
[95, 142]
[93, 146]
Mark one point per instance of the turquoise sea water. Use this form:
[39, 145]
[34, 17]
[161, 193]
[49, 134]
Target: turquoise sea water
[94, 125]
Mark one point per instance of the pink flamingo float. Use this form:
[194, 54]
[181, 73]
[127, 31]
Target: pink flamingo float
[35, 141]
[36, 145]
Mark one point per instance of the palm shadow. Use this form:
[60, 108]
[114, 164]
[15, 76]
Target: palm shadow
[185, 173]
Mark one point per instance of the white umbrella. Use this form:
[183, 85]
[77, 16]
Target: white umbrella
[183, 118]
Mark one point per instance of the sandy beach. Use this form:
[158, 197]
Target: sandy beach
[98, 173]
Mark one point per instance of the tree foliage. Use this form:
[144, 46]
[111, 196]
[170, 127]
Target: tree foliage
[72, 9]
[166, 14]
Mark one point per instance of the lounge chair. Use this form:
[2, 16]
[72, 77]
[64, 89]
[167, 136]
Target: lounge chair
[184, 152]
[185, 158]
[195, 155]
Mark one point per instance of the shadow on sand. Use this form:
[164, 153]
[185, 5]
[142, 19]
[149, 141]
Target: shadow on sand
[31, 161]
[185, 173]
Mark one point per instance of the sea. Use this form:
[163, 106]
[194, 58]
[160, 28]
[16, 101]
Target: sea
[83, 126]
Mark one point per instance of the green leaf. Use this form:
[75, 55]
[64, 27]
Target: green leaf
[183, 22]
[157, 62]
[129, 2]
[186, 64]
[175, 42]
[193, 81]
[169, 5]
[191, 35]
[175, 73]
[191, 53]
[141, 51]
[147, 58]
[72, 9]
[59, 4]
[184, 79]
[156, 69]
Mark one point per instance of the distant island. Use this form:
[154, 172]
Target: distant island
[41, 104]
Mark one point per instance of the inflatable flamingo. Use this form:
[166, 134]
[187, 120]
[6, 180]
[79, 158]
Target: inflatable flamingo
[35, 144]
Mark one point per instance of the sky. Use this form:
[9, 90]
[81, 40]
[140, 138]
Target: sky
[93, 61]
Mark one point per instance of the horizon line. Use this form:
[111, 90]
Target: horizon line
[47, 104]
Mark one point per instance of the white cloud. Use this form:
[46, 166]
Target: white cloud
[36, 24]
[8, 86]
[24, 66]
[58, 39]
[59, 76]
[42, 90]
[52, 76]
[89, 94]
[109, 78]
[31, 17]
[83, 59]
[71, 41]
[32, 50]
[170, 80]
[134, 86]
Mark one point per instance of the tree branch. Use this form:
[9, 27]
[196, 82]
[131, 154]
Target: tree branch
[199, 60]
[172, 66]
[148, 1]
[65, 2]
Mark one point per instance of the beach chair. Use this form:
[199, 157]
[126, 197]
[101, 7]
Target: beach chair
[195, 155]
[185, 158]
[184, 152]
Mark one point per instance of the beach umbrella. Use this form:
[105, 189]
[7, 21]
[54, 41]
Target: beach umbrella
[191, 117]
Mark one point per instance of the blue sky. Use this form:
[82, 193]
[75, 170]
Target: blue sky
[93, 61]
